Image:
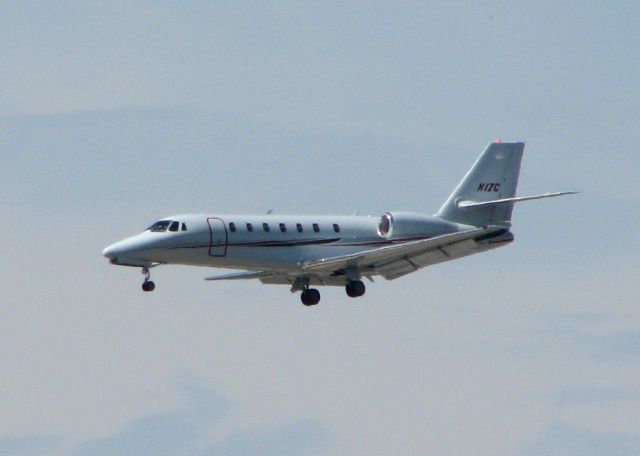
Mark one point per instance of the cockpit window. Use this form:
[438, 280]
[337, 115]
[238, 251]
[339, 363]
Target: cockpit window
[174, 226]
[160, 226]
[184, 227]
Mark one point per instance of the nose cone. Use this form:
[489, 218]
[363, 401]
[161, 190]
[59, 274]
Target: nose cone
[128, 252]
[110, 252]
[115, 250]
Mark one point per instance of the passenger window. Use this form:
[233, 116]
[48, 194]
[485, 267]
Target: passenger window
[299, 227]
[249, 227]
[174, 226]
[184, 227]
[316, 228]
[232, 227]
[336, 227]
[283, 227]
[265, 227]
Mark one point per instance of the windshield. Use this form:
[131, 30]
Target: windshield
[162, 225]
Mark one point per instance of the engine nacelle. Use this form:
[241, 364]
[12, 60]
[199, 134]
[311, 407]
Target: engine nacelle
[400, 225]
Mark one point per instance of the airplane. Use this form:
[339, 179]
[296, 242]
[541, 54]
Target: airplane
[303, 251]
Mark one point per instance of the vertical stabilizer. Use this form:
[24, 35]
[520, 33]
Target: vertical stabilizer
[493, 176]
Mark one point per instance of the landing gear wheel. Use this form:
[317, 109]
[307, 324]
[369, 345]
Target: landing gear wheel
[310, 297]
[147, 285]
[355, 288]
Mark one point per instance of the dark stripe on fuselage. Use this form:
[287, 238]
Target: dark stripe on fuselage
[288, 243]
[304, 242]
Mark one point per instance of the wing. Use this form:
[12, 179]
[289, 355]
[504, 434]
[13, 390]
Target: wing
[391, 261]
[242, 275]
[281, 277]
[396, 260]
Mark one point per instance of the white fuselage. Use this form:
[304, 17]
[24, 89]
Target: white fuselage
[262, 241]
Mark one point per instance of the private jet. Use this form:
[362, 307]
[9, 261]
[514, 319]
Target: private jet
[304, 251]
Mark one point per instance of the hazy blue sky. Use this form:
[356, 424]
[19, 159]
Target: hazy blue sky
[115, 114]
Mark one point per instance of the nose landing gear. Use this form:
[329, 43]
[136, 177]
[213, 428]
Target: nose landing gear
[147, 285]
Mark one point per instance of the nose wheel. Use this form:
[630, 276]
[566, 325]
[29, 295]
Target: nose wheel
[147, 285]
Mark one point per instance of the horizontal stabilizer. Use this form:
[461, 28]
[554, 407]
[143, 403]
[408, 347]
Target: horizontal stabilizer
[242, 275]
[472, 204]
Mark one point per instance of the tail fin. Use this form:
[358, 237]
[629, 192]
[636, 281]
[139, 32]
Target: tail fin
[494, 176]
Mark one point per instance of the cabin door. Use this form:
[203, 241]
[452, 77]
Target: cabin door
[218, 243]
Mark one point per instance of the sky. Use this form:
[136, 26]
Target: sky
[113, 115]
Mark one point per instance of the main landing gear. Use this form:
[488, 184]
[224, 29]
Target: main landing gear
[310, 297]
[147, 285]
[355, 288]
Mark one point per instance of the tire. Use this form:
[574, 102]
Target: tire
[355, 288]
[358, 288]
[310, 297]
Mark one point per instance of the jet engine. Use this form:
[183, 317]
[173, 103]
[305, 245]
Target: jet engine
[403, 225]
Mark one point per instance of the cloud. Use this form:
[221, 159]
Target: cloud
[618, 344]
[286, 439]
[185, 430]
[561, 439]
[577, 395]
[31, 445]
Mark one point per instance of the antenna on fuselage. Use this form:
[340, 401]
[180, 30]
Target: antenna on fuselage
[270, 211]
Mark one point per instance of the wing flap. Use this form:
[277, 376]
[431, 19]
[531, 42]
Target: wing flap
[440, 255]
[382, 256]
